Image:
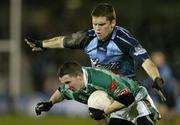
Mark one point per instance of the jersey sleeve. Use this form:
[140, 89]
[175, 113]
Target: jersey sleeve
[138, 53]
[132, 47]
[76, 40]
[121, 93]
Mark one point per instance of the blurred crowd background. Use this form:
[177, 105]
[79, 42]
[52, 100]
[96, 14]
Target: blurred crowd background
[155, 23]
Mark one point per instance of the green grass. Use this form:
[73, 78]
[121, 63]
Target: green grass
[53, 120]
[46, 120]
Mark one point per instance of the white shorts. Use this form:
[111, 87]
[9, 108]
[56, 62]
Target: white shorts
[136, 110]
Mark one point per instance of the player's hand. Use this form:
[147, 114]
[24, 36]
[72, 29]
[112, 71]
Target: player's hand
[36, 45]
[43, 106]
[97, 114]
[158, 85]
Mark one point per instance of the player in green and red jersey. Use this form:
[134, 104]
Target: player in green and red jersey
[77, 83]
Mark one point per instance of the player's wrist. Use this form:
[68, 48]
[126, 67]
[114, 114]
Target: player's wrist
[158, 79]
[51, 103]
[107, 112]
[158, 82]
[47, 106]
[39, 43]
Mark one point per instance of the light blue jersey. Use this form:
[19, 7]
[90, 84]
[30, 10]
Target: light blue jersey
[120, 53]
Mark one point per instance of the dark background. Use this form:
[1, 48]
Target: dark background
[155, 23]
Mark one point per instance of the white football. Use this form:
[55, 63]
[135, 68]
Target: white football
[99, 100]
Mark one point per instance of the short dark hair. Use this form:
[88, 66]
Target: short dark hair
[105, 10]
[71, 67]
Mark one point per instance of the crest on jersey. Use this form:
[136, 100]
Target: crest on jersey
[139, 50]
[113, 86]
[124, 91]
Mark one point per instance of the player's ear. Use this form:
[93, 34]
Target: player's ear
[113, 23]
[60, 79]
[80, 75]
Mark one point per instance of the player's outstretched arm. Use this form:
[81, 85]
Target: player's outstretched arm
[56, 42]
[46, 106]
[72, 41]
[38, 45]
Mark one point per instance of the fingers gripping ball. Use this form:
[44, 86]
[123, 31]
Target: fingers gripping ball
[97, 102]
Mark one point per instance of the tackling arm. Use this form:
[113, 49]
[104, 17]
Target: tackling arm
[56, 42]
[39, 45]
[73, 41]
[153, 72]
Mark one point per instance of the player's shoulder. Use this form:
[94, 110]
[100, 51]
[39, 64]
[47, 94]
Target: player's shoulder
[93, 70]
[121, 31]
[89, 69]
[124, 36]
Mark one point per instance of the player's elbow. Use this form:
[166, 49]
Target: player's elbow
[126, 99]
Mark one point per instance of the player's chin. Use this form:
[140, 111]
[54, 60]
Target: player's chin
[77, 90]
[74, 90]
[99, 37]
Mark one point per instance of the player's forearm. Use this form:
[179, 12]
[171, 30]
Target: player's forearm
[114, 107]
[56, 42]
[151, 69]
[56, 97]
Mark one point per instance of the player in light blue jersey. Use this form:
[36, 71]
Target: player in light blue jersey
[107, 45]
[78, 83]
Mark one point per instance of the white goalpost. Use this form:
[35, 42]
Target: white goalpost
[12, 46]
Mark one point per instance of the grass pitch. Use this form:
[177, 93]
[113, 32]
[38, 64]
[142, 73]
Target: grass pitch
[53, 120]
[46, 120]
